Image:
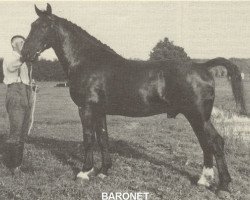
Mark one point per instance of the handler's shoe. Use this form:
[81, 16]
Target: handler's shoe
[13, 155]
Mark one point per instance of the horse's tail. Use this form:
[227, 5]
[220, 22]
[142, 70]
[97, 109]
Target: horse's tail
[234, 75]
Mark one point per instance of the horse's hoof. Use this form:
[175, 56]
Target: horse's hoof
[203, 183]
[102, 176]
[84, 176]
[224, 195]
[207, 177]
[81, 181]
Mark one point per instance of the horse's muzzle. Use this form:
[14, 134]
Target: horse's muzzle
[29, 57]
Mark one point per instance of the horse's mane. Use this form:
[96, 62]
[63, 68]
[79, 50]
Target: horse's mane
[85, 35]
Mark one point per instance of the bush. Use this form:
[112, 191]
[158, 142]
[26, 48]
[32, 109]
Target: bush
[166, 49]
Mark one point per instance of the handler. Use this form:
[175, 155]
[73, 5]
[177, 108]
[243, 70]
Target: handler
[18, 103]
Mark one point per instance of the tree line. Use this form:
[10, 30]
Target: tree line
[47, 70]
[43, 70]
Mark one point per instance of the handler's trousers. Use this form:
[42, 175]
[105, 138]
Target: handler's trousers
[18, 106]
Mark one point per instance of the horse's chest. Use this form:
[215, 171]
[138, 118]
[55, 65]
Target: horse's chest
[88, 91]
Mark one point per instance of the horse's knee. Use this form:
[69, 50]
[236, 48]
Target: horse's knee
[88, 140]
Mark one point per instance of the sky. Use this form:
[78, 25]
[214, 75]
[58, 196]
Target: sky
[132, 29]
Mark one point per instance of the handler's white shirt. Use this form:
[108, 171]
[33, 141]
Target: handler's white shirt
[11, 64]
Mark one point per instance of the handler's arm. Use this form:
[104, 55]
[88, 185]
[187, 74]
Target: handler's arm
[13, 63]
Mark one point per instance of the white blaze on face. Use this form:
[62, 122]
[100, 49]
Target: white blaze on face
[207, 177]
[85, 175]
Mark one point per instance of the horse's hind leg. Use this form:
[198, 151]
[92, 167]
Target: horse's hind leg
[197, 124]
[102, 138]
[212, 144]
[217, 144]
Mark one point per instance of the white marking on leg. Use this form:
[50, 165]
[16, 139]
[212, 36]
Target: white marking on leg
[207, 177]
[85, 175]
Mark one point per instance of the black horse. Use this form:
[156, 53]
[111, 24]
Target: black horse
[101, 83]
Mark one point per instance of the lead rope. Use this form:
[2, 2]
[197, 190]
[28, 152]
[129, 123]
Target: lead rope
[34, 101]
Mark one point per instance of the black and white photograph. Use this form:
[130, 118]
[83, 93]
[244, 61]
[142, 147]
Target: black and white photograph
[124, 100]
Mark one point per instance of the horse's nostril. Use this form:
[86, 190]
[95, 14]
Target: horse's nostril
[25, 55]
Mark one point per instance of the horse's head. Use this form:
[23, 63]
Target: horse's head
[41, 34]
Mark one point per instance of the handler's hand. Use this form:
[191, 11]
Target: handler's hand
[35, 88]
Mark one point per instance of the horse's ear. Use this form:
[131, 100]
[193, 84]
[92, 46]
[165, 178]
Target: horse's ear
[38, 12]
[49, 9]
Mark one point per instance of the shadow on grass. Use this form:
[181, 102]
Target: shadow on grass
[69, 153]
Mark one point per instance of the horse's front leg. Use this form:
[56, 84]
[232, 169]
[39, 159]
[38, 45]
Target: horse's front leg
[102, 138]
[88, 121]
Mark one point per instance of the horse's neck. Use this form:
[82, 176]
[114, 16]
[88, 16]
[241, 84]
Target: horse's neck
[65, 48]
[74, 51]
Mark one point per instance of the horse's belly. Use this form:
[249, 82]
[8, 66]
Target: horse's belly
[136, 110]
[135, 114]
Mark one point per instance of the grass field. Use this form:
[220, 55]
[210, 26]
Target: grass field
[154, 154]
